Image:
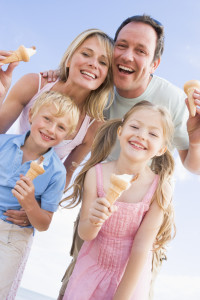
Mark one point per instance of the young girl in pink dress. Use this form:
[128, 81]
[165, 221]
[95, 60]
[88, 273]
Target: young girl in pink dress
[116, 258]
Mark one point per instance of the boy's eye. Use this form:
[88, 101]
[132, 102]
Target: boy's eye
[62, 127]
[46, 118]
[153, 134]
[135, 127]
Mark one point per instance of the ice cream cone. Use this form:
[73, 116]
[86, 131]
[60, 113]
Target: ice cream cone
[36, 169]
[118, 184]
[189, 88]
[21, 54]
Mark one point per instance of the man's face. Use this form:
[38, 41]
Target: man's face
[133, 59]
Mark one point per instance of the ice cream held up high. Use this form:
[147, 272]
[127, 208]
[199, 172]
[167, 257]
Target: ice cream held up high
[21, 54]
[189, 88]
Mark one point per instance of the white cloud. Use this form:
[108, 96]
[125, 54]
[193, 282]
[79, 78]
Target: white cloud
[177, 287]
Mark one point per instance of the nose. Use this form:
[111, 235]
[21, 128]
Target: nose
[93, 62]
[51, 128]
[141, 133]
[128, 55]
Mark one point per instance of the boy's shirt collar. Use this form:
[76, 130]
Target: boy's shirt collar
[20, 140]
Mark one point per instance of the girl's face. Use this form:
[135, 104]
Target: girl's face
[48, 130]
[141, 138]
[88, 67]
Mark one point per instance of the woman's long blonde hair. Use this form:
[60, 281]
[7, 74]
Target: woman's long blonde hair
[162, 165]
[102, 97]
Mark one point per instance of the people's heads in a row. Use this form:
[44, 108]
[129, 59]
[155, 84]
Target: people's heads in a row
[53, 117]
[139, 44]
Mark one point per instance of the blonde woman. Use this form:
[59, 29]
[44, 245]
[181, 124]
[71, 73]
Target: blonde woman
[86, 77]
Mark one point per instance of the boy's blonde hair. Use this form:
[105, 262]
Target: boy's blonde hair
[98, 99]
[63, 106]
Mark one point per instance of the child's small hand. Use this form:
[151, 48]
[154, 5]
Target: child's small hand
[101, 211]
[24, 191]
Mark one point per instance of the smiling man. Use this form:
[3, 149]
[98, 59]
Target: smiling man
[139, 44]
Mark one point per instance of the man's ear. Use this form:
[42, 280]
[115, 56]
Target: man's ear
[162, 151]
[155, 64]
[119, 131]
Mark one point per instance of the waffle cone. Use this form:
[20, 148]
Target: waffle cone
[192, 105]
[21, 54]
[189, 88]
[112, 194]
[34, 170]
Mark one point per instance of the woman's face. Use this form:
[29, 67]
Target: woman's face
[88, 67]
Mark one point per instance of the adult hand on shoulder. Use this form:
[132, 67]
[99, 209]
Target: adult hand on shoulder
[193, 123]
[51, 75]
[17, 217]
[5, 76]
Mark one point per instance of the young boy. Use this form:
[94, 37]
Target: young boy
[52, 117]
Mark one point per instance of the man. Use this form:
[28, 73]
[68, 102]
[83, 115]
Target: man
[139, 44]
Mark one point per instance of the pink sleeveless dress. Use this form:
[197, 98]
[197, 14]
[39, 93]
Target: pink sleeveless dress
[66, 146]
[101, 262]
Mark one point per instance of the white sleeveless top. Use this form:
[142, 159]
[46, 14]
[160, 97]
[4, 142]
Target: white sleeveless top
[66, 146]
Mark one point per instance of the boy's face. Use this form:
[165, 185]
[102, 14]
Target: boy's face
[48, 130]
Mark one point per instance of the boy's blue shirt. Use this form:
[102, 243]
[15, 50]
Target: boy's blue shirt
[48, 187]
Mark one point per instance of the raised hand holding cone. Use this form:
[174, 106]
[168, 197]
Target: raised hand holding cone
[189, 88]
[36, 168]
[21, 54]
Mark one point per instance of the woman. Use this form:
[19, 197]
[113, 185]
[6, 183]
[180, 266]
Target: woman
[86, 77]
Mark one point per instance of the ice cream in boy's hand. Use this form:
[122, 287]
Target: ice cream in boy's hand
[36, 168]
[21, 54]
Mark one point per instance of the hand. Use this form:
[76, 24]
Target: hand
[51, 75]
[5, 76]
[24, 191]
[101, 211]
[17, 217]
[193, 123]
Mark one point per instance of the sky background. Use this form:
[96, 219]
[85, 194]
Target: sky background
[50, 26]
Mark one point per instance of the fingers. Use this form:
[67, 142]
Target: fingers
[23, 187]
[17, 217]
[11, 67]
[101, 211]
[50, 75]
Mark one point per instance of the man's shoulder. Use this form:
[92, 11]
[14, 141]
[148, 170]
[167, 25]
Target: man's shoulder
[162, 83]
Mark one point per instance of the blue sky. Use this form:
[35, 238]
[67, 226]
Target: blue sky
[50, 26]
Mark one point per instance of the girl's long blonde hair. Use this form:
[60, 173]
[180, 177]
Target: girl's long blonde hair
[97, 101]
[162, 165]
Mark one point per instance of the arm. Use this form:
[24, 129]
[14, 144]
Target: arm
[19, 96]
[94, 211]
[191, 157]
[142, 244]
[24, 191]
[80, 152]
[5, 76]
